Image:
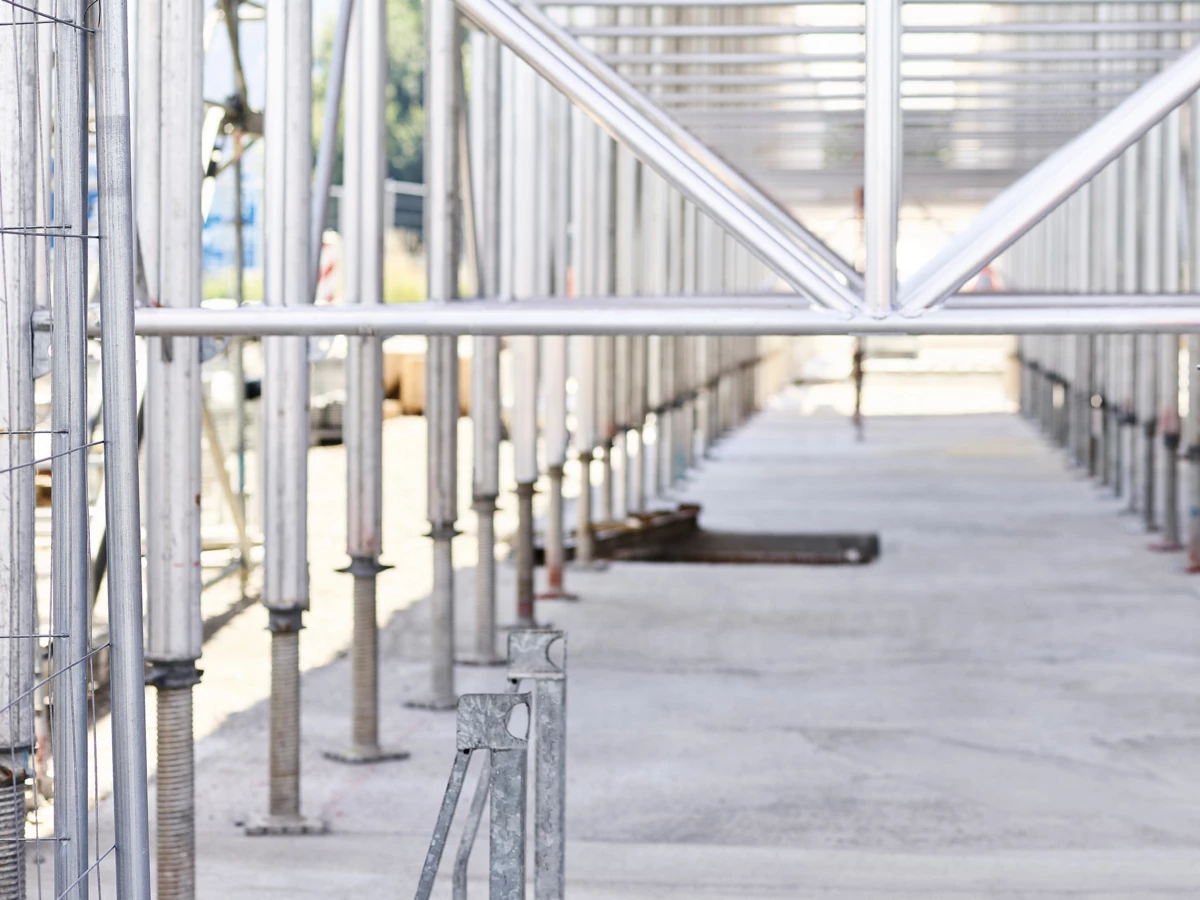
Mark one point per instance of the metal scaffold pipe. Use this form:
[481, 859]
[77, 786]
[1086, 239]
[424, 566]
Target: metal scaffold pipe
[363, 217]
[68, 421]
[485, 358]
[122, 514]
[442, 96]
[527, 164]
[554, 348]
[173, 425]
[657, 316]
[1193, 345]
[1169, 423]
[286, 425]
[1151, 282]
[584, 139]
[18, 595]
[883, 154]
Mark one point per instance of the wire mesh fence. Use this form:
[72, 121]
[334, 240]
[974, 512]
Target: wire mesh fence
[57, 720]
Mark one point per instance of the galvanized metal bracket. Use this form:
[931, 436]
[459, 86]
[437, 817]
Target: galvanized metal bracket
[529, 655]
[483, 721]
[483, 724]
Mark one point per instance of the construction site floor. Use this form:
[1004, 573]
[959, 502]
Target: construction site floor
[1005, 704]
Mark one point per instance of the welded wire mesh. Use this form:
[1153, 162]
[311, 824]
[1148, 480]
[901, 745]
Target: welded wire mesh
[56, 834]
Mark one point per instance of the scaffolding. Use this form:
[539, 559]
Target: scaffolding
[620, 190]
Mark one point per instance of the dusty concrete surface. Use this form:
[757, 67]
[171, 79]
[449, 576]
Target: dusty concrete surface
[1007, 704]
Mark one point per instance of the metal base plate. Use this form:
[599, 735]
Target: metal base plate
[364, 755]
[285, 825]
[557, 595]
[1166, 547]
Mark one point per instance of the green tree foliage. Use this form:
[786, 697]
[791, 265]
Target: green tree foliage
[405, 91]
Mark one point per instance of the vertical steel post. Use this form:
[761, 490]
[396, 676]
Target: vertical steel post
[584, 140]
[1169, 423]
[882, 154]
[485, 357]
[604, 236]
[68, 469]
[554, 349]
[173, 414]
[625, 282]
[19, 174]
[1193, 344]
[122, 514]
[364, 170]
[1134, 360]
[286, 427]
[525, 348]
[1151, 283]
[443, 71]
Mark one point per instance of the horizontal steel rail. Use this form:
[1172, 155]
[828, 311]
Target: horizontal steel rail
[653, 316]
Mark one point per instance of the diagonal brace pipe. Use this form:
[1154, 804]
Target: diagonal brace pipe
[700, 152]
[659, 151]
[1048, 184]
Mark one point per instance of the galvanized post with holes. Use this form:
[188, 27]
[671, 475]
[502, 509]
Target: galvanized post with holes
[173, 482]
[529, 657]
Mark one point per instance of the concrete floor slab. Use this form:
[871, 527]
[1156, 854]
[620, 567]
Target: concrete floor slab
[1006, 704]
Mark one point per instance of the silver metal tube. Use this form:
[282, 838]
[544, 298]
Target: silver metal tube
[327, 152]
[364, 174]
[122, 514]
[659, 151]
[737, 31]
[286, 429]
[882, 156]
[69, 513]
[1012, 213]
[442, 95]
[652, 316]
[1169, 424]
[173, 414]
[554, 352]
[1151, 281]
[584, 138]
[1193, 345]
[485, 360]
[19, 174]
[525, 349]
